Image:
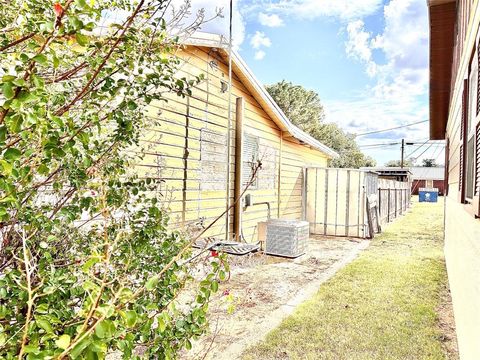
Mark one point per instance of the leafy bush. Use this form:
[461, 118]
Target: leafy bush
[88, 264]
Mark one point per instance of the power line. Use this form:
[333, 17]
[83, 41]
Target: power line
[417, 185]
[410, 143]
[414, 151]
[390, 129]
[424, 151]
[378, 145]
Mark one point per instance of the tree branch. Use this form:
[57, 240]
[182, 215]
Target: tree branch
[82, 92]
[16, 42]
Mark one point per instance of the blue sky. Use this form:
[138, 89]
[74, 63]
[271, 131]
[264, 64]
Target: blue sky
[367, 59]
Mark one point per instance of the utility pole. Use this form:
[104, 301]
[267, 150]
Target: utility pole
[402, 163]
[403, 153]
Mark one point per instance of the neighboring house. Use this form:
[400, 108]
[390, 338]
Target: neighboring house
[203, 165]
[428, 177]
[454, 116]
[391, 173]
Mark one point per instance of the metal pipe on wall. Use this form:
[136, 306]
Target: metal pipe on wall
[229, 128]
[237, 213]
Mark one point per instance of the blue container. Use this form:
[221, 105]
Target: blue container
[428, 195]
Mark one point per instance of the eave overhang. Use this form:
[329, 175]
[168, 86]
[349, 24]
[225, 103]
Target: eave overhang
[442, 14]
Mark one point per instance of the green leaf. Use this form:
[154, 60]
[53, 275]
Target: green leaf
[3, 133]
[78, 349]
[126, 295]
[56, 61]
[98, 346]
[12, 154]
[80, 3]
[19, 82]
[131, 105]
[16, 124]
[63, 341]
[8, 90]
[42, 169]
[76, 22]
[31, 349]
[152, 282]
[89, 263]
[81, 39]
[7, 167]
[106, 310]
[45, 325]
[131, 318]
[42, 308]
[161, 325]
[7, 78]
[8, 199]
[38, 81]
[40, 58]
[221, 275]
[105, 329]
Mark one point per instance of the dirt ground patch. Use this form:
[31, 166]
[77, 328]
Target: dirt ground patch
[265, 290]
[446, 322]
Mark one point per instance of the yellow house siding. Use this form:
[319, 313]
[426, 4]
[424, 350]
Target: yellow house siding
[194, 181]
[295, 158]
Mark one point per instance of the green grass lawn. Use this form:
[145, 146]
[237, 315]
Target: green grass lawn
[381, 306]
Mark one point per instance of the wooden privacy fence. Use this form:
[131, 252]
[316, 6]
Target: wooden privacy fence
[351, 203]
[393, 199]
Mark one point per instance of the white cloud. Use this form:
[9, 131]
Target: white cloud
[259, 39]
[270, 20]
[397, 61]
[369, 112]
[259, 55]
[359, 45]
[310, 9]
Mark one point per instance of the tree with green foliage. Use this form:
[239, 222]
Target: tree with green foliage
[350, 155]
[429, 163]
[304, 109]
[302, 106]
[398, 163]
[88, 263]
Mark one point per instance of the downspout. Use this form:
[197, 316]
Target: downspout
[237, 214]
